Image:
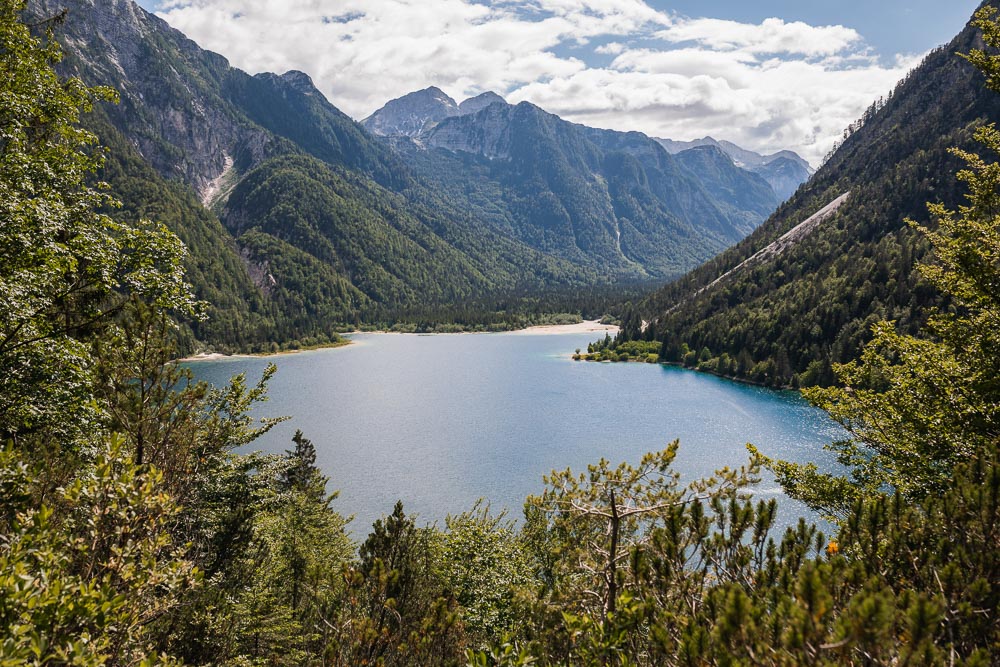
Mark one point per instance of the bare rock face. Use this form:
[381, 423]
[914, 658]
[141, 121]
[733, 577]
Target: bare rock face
[300, 82]
[412, 114]
[480, 124]
[418, 114]
[260, 272]
[480, 102]
[178, 122]
[486, 132]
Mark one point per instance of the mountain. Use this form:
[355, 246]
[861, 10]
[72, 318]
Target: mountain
[614, 201]
[783, 174]
[298, 219]
[295, 218]
[715, 170]
[479, 102]
[412, 114]
[803, 290]
[785, 170]
[418, 112]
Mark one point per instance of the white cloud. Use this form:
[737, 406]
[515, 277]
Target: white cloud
[795, 105]
[771, 36]
[611, 48]
[766, 86]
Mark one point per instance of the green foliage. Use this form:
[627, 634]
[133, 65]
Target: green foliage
[615, 349]
[484, 562]
[301, 545]
[917, 407]
[64, 265]
[902, 583]
[82, 578]
[398, 611]
[592, 522]
[133, 533]
[988, 64]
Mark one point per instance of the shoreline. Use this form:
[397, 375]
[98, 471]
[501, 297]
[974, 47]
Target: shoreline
[676, 364]
[220, 356]
[586, 326]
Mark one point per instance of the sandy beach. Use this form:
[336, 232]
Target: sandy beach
[587, 326]
[205, 356]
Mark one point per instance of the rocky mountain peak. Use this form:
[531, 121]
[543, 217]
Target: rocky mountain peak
[479, 102]
[300, 81]
[412, 113]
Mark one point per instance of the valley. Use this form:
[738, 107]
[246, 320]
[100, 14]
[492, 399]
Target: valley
[284, 385]
[314, 225]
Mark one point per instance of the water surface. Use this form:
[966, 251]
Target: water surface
[442, 420]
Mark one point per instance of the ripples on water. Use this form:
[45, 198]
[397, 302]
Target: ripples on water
[440, 421]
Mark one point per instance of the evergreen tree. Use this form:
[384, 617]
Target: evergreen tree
[302, 463]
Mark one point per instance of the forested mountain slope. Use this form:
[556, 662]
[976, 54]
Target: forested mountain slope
[313, 223]
[786, 318]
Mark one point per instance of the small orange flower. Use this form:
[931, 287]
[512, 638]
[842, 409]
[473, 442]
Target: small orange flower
[832, 548]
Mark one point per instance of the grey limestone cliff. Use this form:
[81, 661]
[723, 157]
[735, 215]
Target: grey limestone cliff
[412, 114]
[170, 108]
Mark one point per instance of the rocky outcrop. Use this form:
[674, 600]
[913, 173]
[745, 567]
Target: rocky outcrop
[260, 272]
[480, 102]
[486, 132]
[412, 114]
[418, 113]
[170, 108]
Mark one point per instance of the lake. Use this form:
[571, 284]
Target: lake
[439, 421]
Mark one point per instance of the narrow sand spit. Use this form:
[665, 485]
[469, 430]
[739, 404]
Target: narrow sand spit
[205, 356]
[587, 326]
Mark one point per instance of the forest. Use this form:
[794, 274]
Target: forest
[133, 533]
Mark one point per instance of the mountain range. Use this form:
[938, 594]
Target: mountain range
[298, 219]
[615, 200]
[417, 114]
[784, 171]
[488, 127]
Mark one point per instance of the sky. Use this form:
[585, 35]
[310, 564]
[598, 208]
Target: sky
[767, 75]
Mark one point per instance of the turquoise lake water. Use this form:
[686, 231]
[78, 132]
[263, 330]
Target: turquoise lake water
[440, 421]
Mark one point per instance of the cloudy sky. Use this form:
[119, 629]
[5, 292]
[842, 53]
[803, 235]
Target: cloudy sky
[767, 75]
